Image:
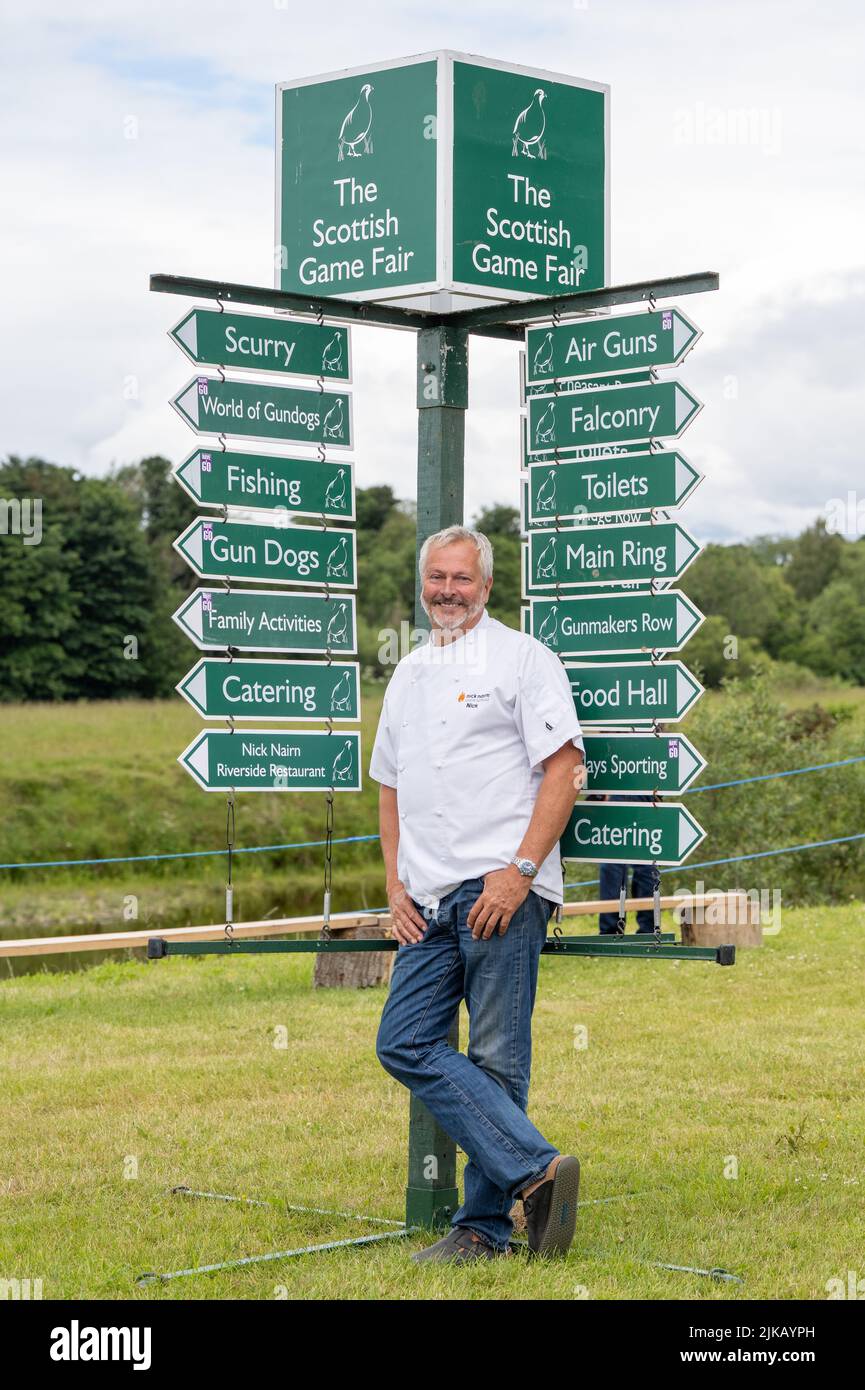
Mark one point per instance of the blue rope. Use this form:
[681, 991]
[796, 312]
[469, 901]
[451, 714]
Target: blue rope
[767, 776]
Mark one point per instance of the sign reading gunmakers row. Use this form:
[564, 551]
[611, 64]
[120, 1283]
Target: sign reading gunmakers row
[258, 410]
[613, 622]
[264, 343]
[257, 620]
[268, 482]
[306, 555]
[442, 172]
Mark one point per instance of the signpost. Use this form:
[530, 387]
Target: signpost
[632, 692]
[260, 760]
[305, 555]
[257, 410]
[630, 832]
[593, 347]
[609, 415]
[298, 486]
[256, 620]
[264, 343]
[442, 175]
[598, 554]
[595, 487]
[296, 690]
[634, 763]
[614, 622]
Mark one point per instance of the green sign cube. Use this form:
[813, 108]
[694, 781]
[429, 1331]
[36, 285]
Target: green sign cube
[442, 176]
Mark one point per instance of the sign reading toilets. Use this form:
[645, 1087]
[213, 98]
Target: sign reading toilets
[442, 173]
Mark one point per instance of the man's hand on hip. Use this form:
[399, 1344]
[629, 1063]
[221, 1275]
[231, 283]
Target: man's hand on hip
[504, 891]
[405, 922]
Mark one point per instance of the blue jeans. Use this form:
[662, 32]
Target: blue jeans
[613, 878]
[480, 1097]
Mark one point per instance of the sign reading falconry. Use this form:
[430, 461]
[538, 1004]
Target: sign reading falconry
[442, 177]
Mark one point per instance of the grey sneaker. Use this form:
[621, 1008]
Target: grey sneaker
[457, 1247]
[551, 1210]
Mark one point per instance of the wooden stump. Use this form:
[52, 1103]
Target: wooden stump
[733, 919]
[354, 969]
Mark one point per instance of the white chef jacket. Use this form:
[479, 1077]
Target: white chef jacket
[463, 733]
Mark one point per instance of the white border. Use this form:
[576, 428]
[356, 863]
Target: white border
[266, 438]
[599, 857]
[675, 594]
[213, 647]
[278, 317]
[616, 459]
[595, 391]
[600, 531]
[277, 733]
[280, 508]
[619, 735]
[628, 719]
[270, 578]
[274, 718]
[569, 324]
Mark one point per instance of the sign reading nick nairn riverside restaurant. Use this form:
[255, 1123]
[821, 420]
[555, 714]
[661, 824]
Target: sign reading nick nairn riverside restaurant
[598, 554]
[634, 482]
[299, 486]
[632, 693]
[257, 410]
[630, 832]
[613, 622]
[256, 342]
[277, 554]
[310, 690]
[259, 760]
[608, 415]
[635, 763]
[591, 347]
[259, 620]
[442, 172]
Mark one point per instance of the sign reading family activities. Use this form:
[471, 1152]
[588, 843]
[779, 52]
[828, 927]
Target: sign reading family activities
[268, 482]
[257, 620]
[260, 760]
[264, 343]
[630, 832]
[297, 690]
[442, 172]
[596, 487]
[279, 554]
[257, 410]
[593, 347]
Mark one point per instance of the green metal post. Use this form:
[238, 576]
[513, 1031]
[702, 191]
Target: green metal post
[432, 1195]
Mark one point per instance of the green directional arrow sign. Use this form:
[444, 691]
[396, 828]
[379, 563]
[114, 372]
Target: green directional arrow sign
[630, 832]
[264, 343]
[257, 410]
[637, 482]
[598, 554]
[634, 763]
[279, 554]
[258, 620]
[608, 415]
[593, 347]
[610, 622]
[296, 690]
[259, 760]
[632, 692]
[298, 486]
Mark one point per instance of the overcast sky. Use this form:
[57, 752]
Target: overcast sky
[138, 137]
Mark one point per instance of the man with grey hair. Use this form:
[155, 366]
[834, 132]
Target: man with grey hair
[480, 758]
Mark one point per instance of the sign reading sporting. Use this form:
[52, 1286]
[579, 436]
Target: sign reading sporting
[257, 620]
[310, 690]
[630, 832]
[442, 172]
[279, 554]
[663, 763]
[598, 554]
[608, 415]
[257, 410]
[593, 347]
[595, 487]
[264, 343]
[259, 760]
[613, 622]
[632, 692]
[300, 486]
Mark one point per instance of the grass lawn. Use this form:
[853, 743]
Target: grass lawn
[123, 1081]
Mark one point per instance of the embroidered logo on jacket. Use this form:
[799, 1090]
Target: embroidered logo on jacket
[472, 701]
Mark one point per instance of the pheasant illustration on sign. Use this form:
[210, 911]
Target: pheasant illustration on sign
[341, 699]
[549, 628]
[545, 430]
[529, 128]
[546, 561]
[337, 628]
[332, 426]
[355, 129]
[343, 763]
[331, 357]
[335, 494]
[337, 560]
[543, 358]
[546, 498]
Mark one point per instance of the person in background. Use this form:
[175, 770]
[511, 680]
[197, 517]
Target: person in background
[615, 876]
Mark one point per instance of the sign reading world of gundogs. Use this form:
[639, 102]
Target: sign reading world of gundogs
[607, 415]
[632, 693]
[259, 760]
[264, 343]
[257, 410]
[278, 554]
[630, 832]
[442, 172]
[256, 620]
[592, 347]
[296, 690]
[300, 486]
[611, 622]
[636, 482]
[663, 763]
[598, 554]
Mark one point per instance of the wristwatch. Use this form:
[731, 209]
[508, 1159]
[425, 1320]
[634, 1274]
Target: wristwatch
[525, 866]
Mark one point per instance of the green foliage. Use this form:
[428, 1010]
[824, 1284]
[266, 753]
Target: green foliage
[715, 654]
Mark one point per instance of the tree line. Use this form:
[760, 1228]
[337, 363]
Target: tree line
[86, 612]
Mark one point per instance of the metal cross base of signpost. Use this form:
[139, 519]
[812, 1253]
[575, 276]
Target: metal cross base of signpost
[442, 401]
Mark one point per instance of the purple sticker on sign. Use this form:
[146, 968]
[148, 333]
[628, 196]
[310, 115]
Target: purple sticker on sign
[666, 320]
[673, 748]
[205, 603]
[206, 463]
[207, 533]
[202, 386]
